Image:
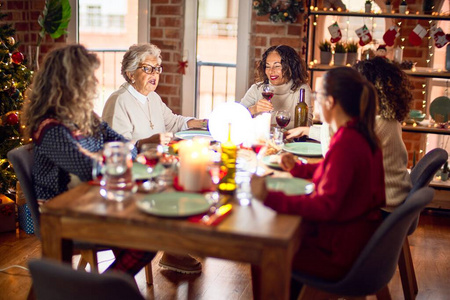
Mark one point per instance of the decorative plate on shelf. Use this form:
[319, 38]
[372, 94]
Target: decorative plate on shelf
[174, 204]
[190, 134]
[440, 109]
[304, 149]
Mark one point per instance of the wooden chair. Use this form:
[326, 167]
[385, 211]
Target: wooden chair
[54, 281]
[376, 264]
[22, 160]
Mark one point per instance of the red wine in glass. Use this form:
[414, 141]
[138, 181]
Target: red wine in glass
[217, 172]
[267, 95]
[257, 147]
[283, 121]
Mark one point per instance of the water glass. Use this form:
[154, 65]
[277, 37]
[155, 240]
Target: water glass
[117, 182]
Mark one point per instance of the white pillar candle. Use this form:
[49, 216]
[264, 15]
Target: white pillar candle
[194, 160]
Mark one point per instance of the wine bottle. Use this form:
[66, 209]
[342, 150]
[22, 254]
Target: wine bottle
[301, 111]
[229, 152]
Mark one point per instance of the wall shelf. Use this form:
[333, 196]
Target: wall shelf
[380, 15]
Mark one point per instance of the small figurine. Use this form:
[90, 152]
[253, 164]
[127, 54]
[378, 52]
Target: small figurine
[381, 51]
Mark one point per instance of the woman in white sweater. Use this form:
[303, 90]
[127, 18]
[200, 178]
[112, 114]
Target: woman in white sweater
[394, 100]
[135, 110]
[283, 68]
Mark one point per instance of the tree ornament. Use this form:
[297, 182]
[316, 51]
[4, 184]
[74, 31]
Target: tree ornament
[440, 38]
[17, 57]
[416, 36]
[390, 35]
[12, 118]
[335, 32]
[364, 35]
[279, 11]
[10, 40]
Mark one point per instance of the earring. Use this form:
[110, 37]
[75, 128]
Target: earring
[133, 81]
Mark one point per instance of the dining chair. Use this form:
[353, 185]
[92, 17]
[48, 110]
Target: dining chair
[22, 160]
[375, 266]
[54, 281]
[421, 176]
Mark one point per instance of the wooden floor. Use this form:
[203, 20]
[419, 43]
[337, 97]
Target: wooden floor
[430, 247]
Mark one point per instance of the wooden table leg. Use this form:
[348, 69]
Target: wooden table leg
[53, 245]
[272, 278]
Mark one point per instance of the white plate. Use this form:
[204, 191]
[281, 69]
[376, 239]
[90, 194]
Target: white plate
[304, 149]
[290, 186]
[174, 204]
[142, 172]
[190, 134]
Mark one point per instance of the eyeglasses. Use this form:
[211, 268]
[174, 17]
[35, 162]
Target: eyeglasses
[319, 97]
[148, 69]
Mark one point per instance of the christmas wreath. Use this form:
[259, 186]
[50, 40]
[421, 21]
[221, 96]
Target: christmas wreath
[285, 11]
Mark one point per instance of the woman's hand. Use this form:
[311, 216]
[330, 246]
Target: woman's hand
[197, 123]
[287, 161]
[297, 132]
[159, 138]
[259, 188]
[261, 105]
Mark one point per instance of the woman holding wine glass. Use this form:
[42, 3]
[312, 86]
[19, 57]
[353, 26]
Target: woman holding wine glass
[282, 69]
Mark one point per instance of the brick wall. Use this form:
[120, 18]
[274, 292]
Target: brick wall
[23, 15]
[167, 30]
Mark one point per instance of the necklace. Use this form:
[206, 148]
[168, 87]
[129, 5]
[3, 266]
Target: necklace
[149, 116]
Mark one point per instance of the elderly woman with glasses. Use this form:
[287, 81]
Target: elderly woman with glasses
[283, 68]
[135, 110]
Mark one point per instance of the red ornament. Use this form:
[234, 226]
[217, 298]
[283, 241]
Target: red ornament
[17, 58]
[12, 119]
[182, 65]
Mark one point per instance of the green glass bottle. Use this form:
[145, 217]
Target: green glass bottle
[301, 111]
[229, 152]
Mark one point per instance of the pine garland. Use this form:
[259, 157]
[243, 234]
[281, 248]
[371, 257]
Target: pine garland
[279, 11]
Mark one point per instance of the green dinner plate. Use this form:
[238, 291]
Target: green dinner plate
[174, 204]
[142, 172]
[267, 160]
[190, 134]
[290, 186]
[440, 106]
[304, 149]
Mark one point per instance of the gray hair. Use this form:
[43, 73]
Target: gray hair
[137, 54]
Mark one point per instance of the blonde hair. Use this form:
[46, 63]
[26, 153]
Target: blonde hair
[64, 89]
[137, 54]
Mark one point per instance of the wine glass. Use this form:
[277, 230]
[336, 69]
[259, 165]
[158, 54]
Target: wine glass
[259, 146]
[283, 117]
[267, 91]
[150, 155]
[217, 171]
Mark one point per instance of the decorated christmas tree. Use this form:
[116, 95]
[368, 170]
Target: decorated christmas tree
[14, 79]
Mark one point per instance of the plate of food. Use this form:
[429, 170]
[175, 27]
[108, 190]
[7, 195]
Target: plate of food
[290, 186]
[304, 149]
[174, 204]
[190, 134]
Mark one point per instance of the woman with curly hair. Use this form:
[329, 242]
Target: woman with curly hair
[66, 132]
[282, 67]
[394, 100]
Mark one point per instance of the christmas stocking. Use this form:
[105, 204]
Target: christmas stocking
[440, 38]
[416, 36]
[390, 35]
[335, 32]
[364, 35]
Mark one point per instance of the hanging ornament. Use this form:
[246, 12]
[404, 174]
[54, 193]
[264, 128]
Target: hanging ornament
[10, 40]
[364, 35]
[440, 38]
[335, 32]
[416, 36]
[182, 65]
[12, 118]
[17, 58]
[390, 35]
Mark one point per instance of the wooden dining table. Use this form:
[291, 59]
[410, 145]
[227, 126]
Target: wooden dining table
[253, 234]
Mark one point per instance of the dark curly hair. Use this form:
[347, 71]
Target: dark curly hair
[293, 66]
[392, 85]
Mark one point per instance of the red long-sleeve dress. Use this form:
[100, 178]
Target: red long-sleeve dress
[343, 211]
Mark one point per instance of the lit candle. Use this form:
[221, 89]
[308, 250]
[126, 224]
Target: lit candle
[194, 159]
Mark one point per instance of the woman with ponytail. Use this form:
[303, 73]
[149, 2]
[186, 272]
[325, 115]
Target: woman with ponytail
[342, 213]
